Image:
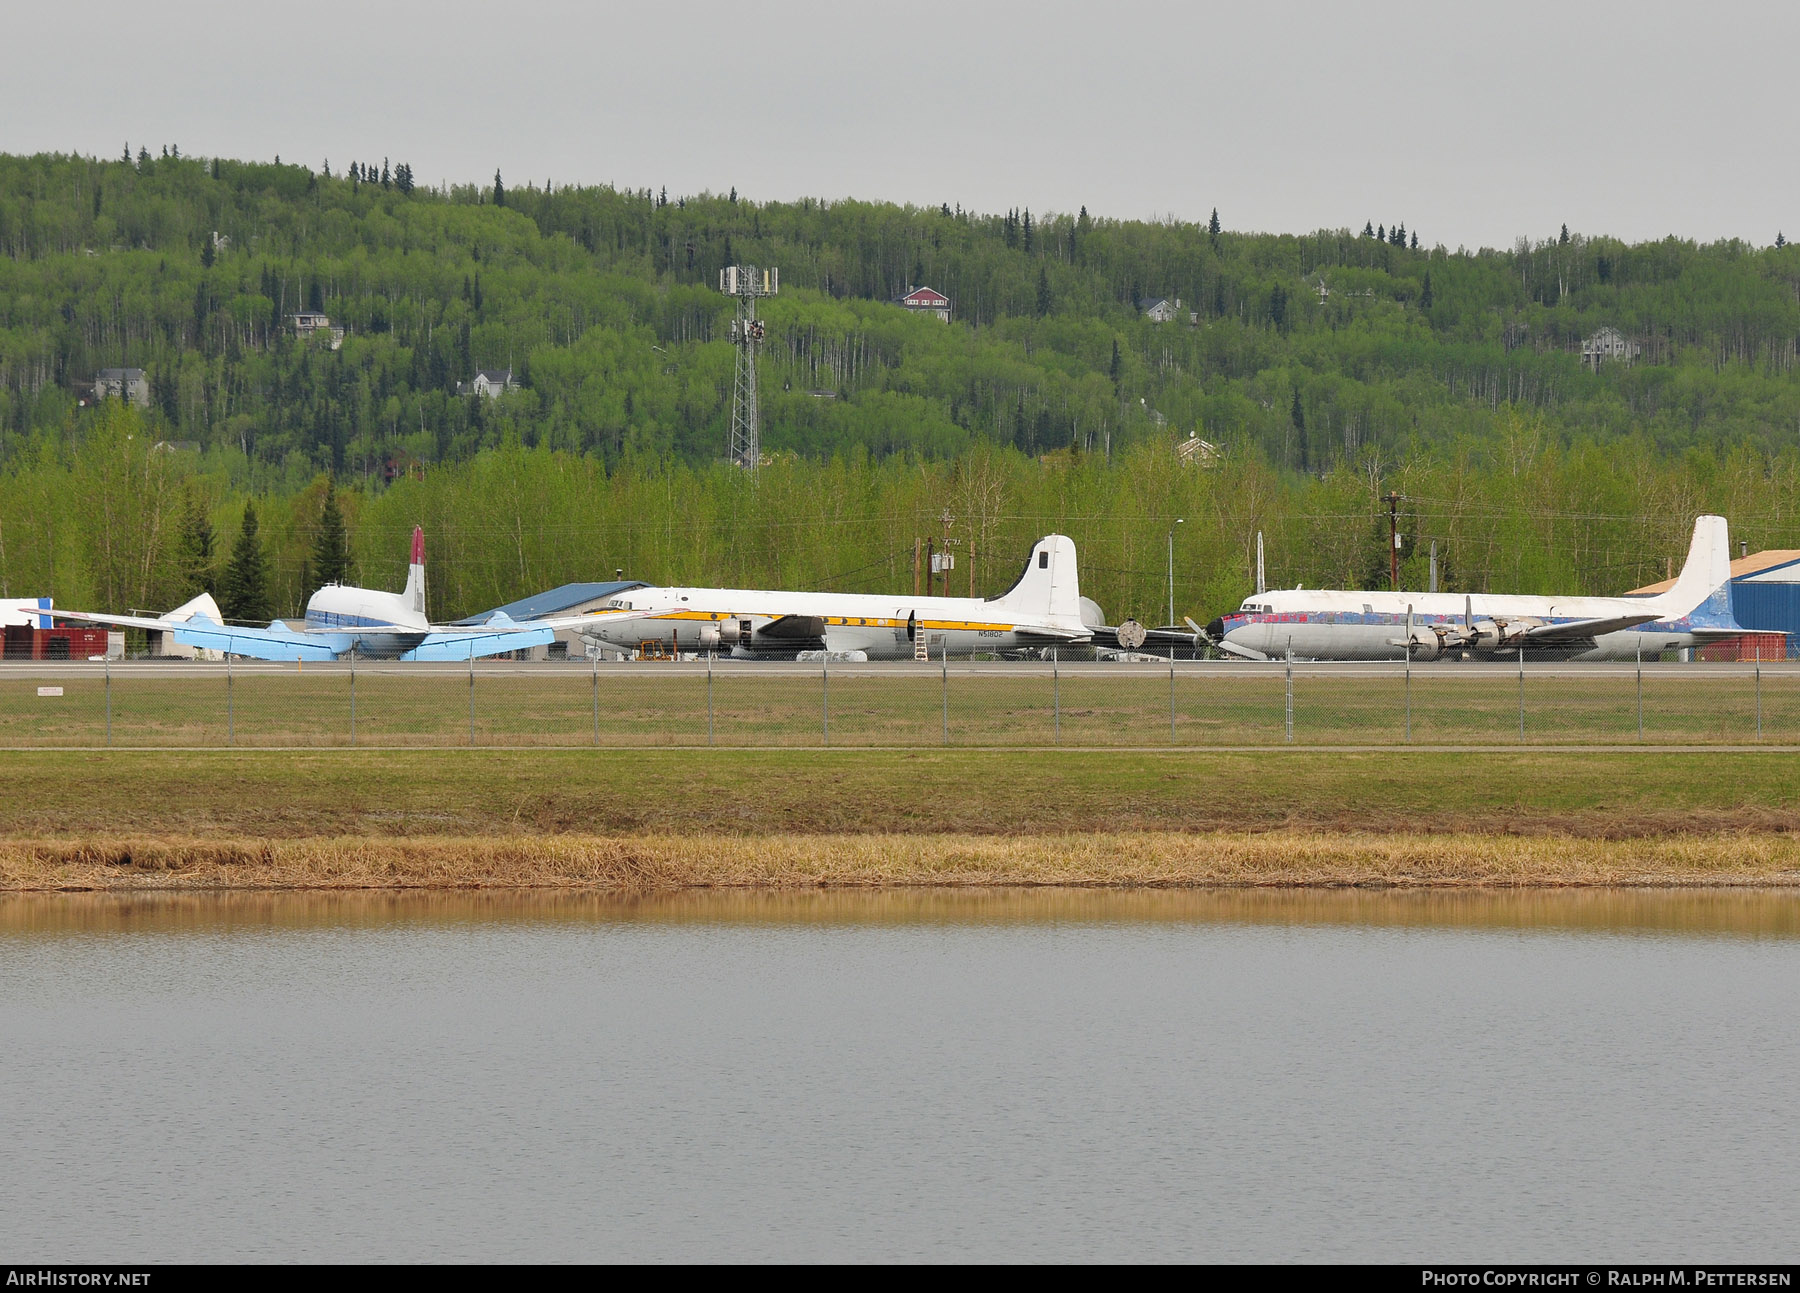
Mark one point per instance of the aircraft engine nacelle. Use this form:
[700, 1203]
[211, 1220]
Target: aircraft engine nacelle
[1423, 645]
[721, 635]
[1484, 635]
[1513, 633]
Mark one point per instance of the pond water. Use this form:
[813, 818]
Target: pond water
[918, 1074]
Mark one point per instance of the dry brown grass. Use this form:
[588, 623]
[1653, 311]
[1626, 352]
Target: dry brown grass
[661, 862]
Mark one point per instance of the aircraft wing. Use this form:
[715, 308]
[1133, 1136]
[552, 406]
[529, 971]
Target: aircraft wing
[472, 644]
[790, 627]
[271, 643]
[1582, 630]
[1051, 636]
[98, 617]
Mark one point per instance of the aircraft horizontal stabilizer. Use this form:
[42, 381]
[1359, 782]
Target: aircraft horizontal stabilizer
[1049, 635]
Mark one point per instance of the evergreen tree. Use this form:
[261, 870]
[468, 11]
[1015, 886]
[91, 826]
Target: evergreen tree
[194, 549]
[733, 197]
[1117, 368]
[1380, 233]
[387, 179]
[127, 158]
[1415, 240]
[1212, 225]
[1564, 240]
[945, 210]
[244, 591]
[144, 157]
[1780, 239]
[331, 546]
[1043, 291]
[206, 252]
[403, 178]
[499, 191]
[1368, 229]
[1425, 292]
[1028, 230]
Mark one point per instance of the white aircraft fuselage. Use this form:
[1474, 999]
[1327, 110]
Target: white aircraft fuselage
[1333, 624]
[1041, 609]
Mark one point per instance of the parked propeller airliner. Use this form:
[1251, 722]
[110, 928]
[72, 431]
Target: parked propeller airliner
[341, 618]
[1344, 625]
[1044, 608]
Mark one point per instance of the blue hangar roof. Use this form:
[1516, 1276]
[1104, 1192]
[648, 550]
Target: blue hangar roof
[556, 600]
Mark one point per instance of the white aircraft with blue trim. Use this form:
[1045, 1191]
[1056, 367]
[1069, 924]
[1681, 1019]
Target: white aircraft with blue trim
[1328, 624]
[341, 618]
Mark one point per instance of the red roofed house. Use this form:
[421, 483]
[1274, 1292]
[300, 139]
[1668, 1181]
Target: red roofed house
[926, 301]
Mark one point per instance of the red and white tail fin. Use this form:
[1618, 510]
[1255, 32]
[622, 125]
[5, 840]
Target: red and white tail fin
[415, 573]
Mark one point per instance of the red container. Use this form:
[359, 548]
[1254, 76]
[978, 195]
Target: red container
[1746, 647]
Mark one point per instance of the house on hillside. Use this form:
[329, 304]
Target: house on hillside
[1195, 452]
[1609, 343]
[128, 384]
[1160, 309]
[491, 383]
[309, 323]
[923, 300]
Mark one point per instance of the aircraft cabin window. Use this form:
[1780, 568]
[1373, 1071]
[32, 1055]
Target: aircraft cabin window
[1043, 561]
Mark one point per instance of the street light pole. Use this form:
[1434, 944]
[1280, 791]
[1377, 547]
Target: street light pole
[1178, 521]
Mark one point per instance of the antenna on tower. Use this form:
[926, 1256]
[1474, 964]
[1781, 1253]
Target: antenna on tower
[746, 283]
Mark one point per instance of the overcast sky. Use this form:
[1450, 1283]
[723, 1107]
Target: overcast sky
[1472, 124]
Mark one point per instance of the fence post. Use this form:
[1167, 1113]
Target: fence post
[1406, 655]
[230, 713]
[944, 663]
[1759, 691]
[353, 693]
[596, 666]
[109, 701]
[1521, 693]
[1171, 694]
[471, 695]
[709, 707]
[825, 699]
[1640, 685]
[1056, 692]
[1290, 691]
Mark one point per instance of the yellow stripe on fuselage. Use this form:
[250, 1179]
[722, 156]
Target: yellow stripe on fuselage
[846, 621]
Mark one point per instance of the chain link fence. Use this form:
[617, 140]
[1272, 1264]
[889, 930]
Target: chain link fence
[960, 704]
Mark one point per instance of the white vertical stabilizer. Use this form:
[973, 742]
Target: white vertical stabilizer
[1707, 570]
[1050, 587]
[202, 607]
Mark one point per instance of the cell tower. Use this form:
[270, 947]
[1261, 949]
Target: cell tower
[746, 283]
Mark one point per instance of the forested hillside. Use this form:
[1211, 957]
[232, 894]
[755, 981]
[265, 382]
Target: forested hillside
[1328, 367]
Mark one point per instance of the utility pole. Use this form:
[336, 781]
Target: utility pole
[1171, 619]
[946, 560]
[1393, 502]
[746, 283]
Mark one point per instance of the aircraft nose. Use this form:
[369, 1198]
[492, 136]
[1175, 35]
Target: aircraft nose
[1216, 629]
